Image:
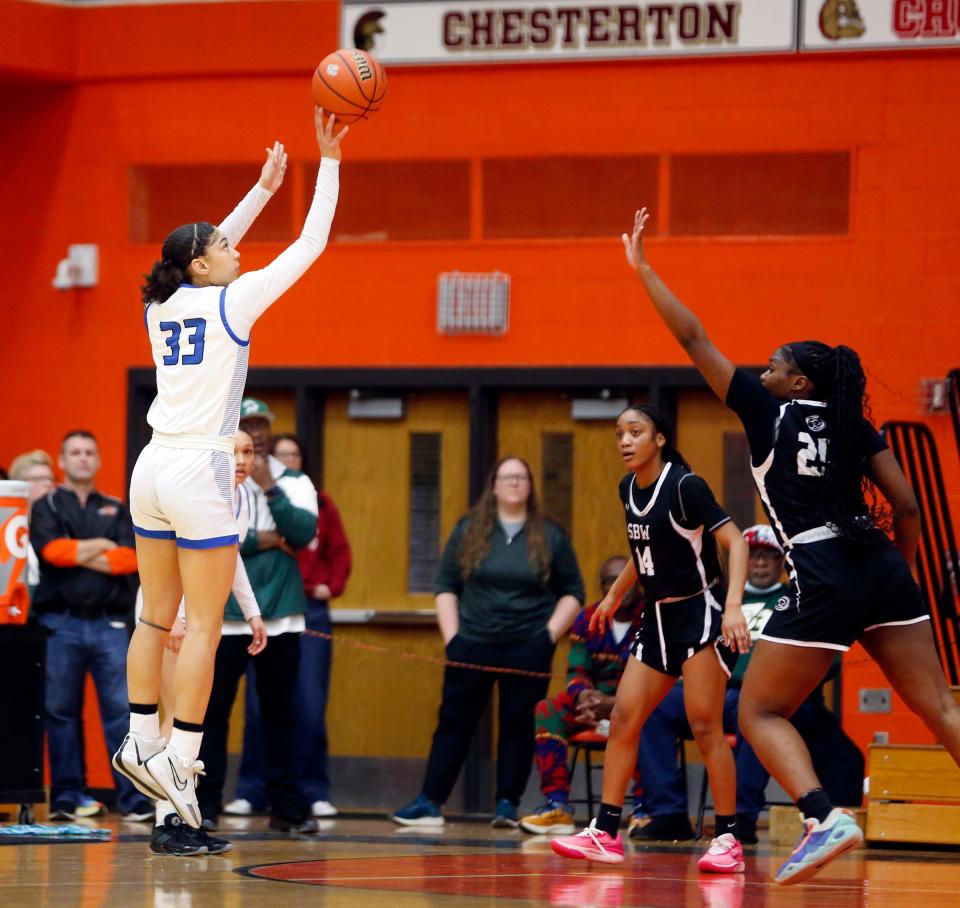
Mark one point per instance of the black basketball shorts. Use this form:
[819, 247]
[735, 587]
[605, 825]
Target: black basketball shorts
[672, 632]
[840, 590]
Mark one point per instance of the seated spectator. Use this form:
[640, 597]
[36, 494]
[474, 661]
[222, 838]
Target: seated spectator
[508, 587]
[84, 541]
[36, 468]
[594, 667]
[836, 758]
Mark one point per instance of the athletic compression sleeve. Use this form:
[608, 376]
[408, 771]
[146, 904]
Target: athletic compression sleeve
[244, 592]
[238, 222]
[249, 296]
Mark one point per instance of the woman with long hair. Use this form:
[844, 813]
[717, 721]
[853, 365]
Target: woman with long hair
[673, 527]
[198, 312]
[508, 588]
[816, 461]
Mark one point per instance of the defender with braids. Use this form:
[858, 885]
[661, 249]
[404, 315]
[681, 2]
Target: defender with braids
[815, 459]
[198, 313]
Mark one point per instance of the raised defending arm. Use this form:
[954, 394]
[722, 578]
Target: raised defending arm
[683, 324]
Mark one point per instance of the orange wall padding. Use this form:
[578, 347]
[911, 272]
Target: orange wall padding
[214, 83]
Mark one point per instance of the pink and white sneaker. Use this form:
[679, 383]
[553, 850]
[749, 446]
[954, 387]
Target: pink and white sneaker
[591, 844]
[723, 856]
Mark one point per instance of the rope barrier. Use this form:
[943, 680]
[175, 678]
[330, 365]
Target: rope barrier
[444, 663]
[433, 660]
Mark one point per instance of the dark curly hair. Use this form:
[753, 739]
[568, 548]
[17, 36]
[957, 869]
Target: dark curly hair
[483, 519]
[180, 248]
[850, 503]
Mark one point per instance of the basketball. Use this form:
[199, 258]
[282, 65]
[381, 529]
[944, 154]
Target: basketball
[350, 84]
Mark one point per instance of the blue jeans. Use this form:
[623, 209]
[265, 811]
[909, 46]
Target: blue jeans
[76, 647]
[313, 686]
[664, 787]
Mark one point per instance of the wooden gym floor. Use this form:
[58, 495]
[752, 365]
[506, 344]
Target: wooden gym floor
[374, 863]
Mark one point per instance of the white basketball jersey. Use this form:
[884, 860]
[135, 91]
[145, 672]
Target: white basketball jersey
[201, 363]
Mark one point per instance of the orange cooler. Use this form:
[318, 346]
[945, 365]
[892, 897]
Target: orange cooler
[14, 539]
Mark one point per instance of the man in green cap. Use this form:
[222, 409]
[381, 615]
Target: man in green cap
[283, 519]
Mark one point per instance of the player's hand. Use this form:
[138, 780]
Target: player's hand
[327, 138]
[259, 643]
[271, 177]
[177, 633]
[600, 619]
[734, 628]
[633, 243]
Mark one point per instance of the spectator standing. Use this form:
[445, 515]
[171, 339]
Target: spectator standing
[36, 468]
[508, 587]
[325, 566]
[283, 518]
[84, 542]
[594, 667]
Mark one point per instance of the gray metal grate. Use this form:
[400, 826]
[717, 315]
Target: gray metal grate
[473, 303]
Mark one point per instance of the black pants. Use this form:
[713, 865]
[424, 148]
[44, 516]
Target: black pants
[465, 695]
[276, 679]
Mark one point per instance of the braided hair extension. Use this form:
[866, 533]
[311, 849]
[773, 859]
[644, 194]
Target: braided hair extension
[851, 504]
[180, 248]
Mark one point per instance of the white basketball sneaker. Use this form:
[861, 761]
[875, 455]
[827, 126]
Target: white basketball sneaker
[176, 777]
[130, 761]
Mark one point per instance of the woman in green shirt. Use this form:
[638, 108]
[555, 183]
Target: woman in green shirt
[508, 587]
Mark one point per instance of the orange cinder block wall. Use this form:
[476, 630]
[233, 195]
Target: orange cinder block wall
[139, 90]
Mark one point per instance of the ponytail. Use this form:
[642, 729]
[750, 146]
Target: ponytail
[838, 378]
[180, 248]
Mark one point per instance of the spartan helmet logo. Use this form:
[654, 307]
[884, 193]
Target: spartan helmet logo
[366, 30]
[815, 423]
[841, 19]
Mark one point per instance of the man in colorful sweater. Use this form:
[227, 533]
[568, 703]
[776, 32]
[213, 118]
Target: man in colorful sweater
[594, 667]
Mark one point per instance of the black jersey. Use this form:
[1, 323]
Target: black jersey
[669, 531]
[789, 449]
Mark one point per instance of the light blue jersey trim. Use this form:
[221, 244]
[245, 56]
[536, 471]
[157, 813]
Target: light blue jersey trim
[154, 534]
[146, 324]
[226, 324]
[214, 543]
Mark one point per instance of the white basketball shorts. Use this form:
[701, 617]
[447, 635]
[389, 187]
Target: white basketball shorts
[184, 494]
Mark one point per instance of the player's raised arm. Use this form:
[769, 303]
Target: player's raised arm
[238, 222]
[683, 324]
[252, 293]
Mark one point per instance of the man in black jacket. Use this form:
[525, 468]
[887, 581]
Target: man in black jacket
[84, 542]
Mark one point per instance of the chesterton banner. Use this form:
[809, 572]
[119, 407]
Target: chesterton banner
[880, 24]
[490, 30]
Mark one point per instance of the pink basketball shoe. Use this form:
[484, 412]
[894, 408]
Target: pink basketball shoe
[590, 844]
[723, 856]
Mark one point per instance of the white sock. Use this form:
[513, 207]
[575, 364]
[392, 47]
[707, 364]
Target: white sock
[186, 744]
[164, 809]
[145, 725]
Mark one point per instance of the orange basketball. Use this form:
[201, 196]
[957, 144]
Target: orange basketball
[350, 84]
